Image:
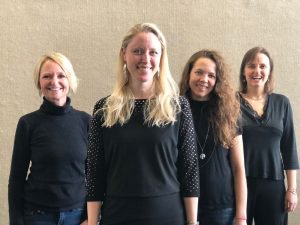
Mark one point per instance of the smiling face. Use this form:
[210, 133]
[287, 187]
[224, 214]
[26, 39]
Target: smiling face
[257, 71]
[54, 83]
[202, 79]
[142, 57]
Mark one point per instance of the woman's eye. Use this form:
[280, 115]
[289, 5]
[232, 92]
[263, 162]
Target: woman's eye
[62, 76]
[45, 76]
[138, 51]
[263, 66]
[154, 52]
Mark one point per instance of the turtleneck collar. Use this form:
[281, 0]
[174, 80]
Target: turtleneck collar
[195, 102]
[49, 107]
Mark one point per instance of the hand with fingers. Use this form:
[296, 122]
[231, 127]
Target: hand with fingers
[291, 200]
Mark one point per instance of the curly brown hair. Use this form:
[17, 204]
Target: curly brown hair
[223, 104]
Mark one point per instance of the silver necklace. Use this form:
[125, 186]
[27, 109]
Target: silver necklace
[202, 155]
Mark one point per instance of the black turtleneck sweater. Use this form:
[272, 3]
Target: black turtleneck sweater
[54, 140]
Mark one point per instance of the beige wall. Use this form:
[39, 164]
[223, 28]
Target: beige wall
[89, 32]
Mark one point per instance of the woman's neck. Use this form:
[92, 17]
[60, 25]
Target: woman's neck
[142, 92]
[255, 94]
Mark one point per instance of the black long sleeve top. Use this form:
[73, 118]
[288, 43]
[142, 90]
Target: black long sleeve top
[269, 140]
[138, 160]
[54, 140]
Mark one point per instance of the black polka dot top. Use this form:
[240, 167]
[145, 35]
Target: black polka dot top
[139, 160]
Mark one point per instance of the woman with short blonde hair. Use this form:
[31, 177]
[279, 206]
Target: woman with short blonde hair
[47, 176]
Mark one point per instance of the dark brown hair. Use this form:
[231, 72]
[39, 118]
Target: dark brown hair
[250, 56]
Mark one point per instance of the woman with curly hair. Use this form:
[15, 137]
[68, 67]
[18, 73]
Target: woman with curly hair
[215, 109]
[142, 157]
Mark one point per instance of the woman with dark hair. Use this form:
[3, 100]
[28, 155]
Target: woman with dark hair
[215, 109]
[269, 142]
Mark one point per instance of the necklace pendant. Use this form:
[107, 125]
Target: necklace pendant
[202, 156]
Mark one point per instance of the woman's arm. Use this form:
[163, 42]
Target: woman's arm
[94, 209]
[95, 173]
[240, 185]
[188, 170]
[291, 198]
[18, 172]
[191, 209]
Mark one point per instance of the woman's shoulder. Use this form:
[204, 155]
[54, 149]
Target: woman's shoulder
[275, 97]
[101, 101]
[30, 116]
[31, 120]
[83, 114]
[100, 104]
[184, 104]
[279, 96]
[183, 101]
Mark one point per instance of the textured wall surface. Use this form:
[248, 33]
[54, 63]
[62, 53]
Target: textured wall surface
[89, 32]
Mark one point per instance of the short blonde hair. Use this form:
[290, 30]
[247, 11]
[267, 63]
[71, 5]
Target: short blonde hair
[63, 62]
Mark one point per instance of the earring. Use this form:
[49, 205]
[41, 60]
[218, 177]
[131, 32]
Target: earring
[244, 79]
[125, 73]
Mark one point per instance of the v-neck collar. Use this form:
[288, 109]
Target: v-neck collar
[263, 119]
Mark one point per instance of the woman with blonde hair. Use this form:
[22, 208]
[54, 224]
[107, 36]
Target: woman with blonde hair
[141, 157]
[47, 176]
[223, 194]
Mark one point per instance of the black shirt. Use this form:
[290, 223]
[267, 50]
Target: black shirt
[54, 140]
[269, 141]
[139, 160]
[216, 177]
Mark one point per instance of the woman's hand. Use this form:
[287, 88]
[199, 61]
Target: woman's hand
[84, 222]
[291, 200]
[239, 221]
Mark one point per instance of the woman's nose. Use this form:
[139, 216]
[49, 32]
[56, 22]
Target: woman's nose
[204, 78]
[257, 70]
[145, 57]
[54, 80]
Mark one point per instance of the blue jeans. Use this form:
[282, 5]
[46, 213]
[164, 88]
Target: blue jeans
[216, 216]
[39, 217]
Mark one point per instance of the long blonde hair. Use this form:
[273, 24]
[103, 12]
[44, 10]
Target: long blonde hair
[161, 109]
[224, 107]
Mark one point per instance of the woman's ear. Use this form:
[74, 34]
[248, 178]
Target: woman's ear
[124, 54]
